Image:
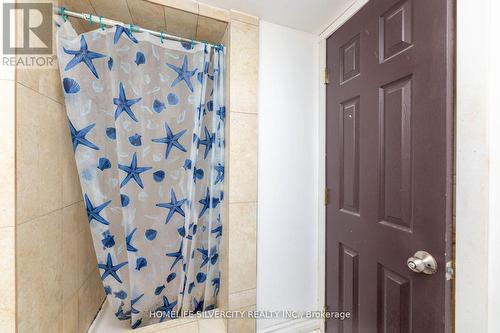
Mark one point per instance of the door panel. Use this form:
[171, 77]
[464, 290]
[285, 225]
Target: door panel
[388, 166]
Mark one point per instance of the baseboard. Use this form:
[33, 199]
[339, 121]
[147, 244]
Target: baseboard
[294, 326]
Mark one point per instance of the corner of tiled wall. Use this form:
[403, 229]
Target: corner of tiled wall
[7, 200]
[55, 259]
[242, 153]
[7, 193]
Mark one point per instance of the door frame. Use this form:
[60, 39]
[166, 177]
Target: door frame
[464, 159]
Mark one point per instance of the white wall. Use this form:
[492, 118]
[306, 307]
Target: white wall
[287, 217]
[478, 168]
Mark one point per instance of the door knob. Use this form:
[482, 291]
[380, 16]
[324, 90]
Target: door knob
[422, 262]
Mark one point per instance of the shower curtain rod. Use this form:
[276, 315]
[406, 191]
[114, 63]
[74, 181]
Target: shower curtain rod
[109, 22]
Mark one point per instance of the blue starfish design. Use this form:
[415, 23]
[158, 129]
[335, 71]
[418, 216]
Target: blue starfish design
[167, 308]
[120, 30]
[216, 285]
[198, 306]
[132, 302]
[133, 172]
[123, 104]
[83, 55]
[171, 140]
[222, 113]
[128, 240]
[204, 256]
[93, 213]
[191, 287]
[220, 173]
[207, 142]
[174, 206]
[110, 269]
[183, 74]
[78, 136]
[177, 255]
[217, 231]
[208, 202]
[122, 315]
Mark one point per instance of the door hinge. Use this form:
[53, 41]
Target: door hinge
[450, 272]
[327, 196]
[326, 76]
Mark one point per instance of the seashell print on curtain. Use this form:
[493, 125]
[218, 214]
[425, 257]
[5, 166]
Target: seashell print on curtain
[147, 127]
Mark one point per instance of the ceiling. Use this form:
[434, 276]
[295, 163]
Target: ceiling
[308, 15]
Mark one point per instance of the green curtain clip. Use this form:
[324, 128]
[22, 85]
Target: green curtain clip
[63, 14]
[90, 20]
[161, 37]
[131, 28]
[100, 23]
[192, 43]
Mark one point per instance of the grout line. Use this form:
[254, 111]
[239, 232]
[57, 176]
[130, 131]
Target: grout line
[242, 202]
[38, 92]
[243, 112]
[92, 6]
[129, 12]
[243, 291]
[197, 21]
[48, 213]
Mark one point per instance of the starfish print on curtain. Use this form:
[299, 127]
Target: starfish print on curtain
[124, 105]
[147, 126]
[83, 55]
[183, 74]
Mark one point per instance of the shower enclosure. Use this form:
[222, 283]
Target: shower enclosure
[147, 119]
[51, 260]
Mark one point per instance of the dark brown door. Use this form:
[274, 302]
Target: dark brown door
[389, 166]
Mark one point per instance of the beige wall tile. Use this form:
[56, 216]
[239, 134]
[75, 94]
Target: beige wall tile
[39, 272]
[213, 12]
[244, 66]
[7, 153]
[244, 17]
[186, 5]
[87, 261]
[78, 259]
[40, 122]
[147, 14]
[243, 157]
[46, 81]
[90, 298]
[212, 326]
[191, 327]
[210, 30]
[180, 23]
[79, 6]
[7, 72]
[116, 10]
[8, 280]
[243, 298]
[242, 247]
[167, 326]
[70, 315]
[242, 325]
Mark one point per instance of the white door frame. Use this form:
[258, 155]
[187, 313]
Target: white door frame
[477, 164]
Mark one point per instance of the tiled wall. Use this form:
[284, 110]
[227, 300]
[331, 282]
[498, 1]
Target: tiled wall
[58, 285]
[45, 233]
[7, 199]
[242, 152]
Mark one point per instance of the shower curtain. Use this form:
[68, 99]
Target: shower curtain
[146, 117]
